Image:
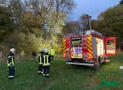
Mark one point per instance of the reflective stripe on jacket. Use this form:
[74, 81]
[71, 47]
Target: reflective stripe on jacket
[46, 60]
[10, 61]
[40, 59]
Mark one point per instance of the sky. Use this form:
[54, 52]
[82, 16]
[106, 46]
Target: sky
[91, 7]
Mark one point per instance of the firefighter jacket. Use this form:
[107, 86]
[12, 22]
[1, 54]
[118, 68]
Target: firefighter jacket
[10, 61]
[46, 60]
[40, 59]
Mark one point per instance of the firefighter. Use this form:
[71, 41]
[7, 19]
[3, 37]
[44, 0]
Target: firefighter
[40, 62]
[46, 64]
[11, 63]
[51, 53]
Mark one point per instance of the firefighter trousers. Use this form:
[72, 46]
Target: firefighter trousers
[40, 68]
[46, 70]
[11, 71]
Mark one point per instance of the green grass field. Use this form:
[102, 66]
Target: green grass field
[63, 77]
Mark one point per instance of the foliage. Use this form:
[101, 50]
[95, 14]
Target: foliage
[6, 22]
[85, 21]
[121, 2]
[78, 26]
[31, 25]
[72, 27]
[111, 24]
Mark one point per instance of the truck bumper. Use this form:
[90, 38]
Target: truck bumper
[78, 63]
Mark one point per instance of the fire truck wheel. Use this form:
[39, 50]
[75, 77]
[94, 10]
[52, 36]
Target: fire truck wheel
[98, 63]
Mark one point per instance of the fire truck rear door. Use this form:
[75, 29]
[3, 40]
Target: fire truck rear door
[110, 46]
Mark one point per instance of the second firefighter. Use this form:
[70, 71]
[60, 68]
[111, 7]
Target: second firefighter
[46, 64]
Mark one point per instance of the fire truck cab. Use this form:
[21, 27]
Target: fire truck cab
[90, 48]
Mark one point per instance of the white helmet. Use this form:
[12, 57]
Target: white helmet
[12, 50]
[42, 50]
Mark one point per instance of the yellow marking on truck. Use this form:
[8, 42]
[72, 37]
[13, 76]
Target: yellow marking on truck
[89, 45]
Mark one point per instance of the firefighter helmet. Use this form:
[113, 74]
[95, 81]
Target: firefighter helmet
[42, 51]
[12, 50]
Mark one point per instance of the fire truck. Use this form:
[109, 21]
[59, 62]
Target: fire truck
[90, 48]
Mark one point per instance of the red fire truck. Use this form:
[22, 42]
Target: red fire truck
[90, 48]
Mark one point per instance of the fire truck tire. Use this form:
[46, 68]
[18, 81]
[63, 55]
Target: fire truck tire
[98, 66]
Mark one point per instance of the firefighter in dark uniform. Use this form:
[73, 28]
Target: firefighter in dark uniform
[40, 62]
[46, 64]
[11, 63]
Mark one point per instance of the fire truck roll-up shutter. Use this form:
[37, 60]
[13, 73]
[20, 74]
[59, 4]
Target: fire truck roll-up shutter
[89, 47]
[68, 54]
[94, 47]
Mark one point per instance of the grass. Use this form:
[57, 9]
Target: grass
[63, 77]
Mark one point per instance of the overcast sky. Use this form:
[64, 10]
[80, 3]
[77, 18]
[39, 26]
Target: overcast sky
[91, 7]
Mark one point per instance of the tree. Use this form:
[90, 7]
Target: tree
[6, 22]
[85, 21]
[36, 23]
[52, 12]
[121, 2]
[72, 27]
[101, 16]
[112, 23]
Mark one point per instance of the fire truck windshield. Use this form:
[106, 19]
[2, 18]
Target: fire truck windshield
[76, 41]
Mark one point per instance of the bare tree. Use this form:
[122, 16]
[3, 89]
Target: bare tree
[84, 20]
